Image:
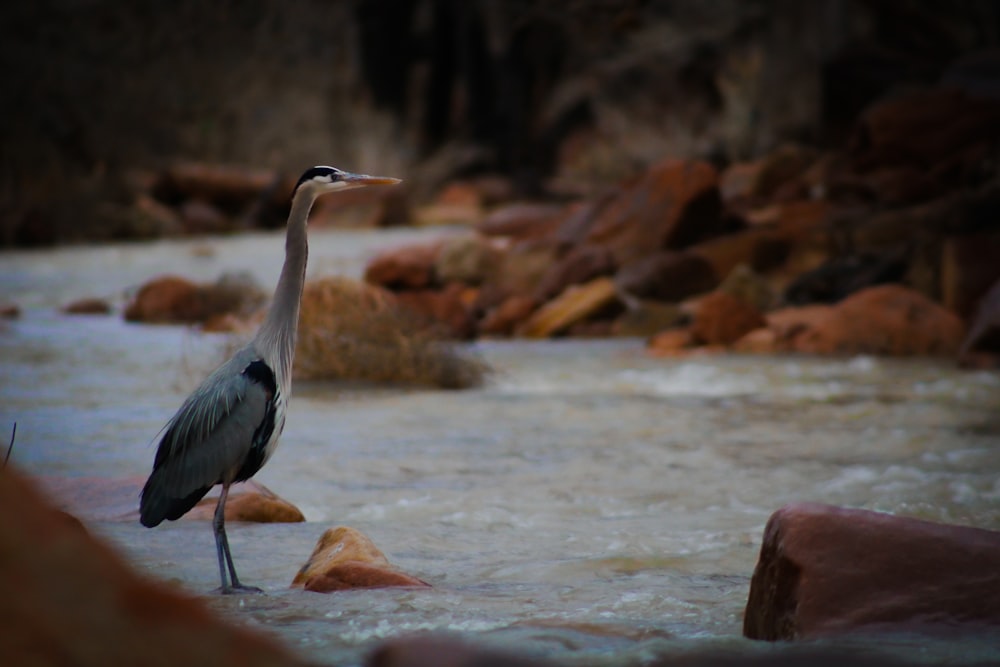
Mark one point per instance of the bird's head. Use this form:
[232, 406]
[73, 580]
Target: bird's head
[330, 179]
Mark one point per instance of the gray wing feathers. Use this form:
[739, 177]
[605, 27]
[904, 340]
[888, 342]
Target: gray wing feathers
[206, 441]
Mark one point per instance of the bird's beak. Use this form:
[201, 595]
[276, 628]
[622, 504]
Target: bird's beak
[365, 179]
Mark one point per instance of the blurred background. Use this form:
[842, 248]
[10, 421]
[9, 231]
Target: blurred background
[555, 100]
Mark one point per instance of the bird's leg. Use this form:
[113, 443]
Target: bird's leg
[222, 548]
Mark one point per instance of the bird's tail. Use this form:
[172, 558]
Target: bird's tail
[157, 503]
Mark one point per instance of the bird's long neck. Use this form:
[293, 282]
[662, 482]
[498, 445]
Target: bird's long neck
[276, 337]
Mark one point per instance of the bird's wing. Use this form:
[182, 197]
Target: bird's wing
[214, 430]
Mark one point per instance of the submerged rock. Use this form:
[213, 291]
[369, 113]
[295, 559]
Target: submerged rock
[832, 571]
[248, 501]
[88, 306]
[346, 558]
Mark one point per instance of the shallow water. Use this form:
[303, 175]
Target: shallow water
[589, 503]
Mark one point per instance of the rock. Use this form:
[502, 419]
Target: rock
[827, 571]
[522, 221]
[248, 501]
[671, 342]
[201, 217]
[842, 276]
[762, 178]
[447, 214]
[673, 205]
[762, 249]
[362, 208]
[87, 306]
[430, 651]
[748, 286]
[520, 273]
[759, 341]
[67, 598]
[408, 267]
[345, 558]
[666, 276]
[165, 299]
[969, 266]
[172, 299]
[574, 305]
[227, 184]
[722, 319]
[445, 312]
[981, 346]
[645, 318]
[469, 259]
[788, 324]
[155, 216]
[10, 311]
[582, 263]
[887, 320]
[505, 318]
[924, 127]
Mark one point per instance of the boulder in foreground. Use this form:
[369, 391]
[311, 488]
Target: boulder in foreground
[345, 558]
[828, 571]
[67, 599]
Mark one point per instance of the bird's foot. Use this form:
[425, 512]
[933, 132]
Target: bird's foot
[238, 589]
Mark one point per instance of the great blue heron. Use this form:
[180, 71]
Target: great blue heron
[228, 427]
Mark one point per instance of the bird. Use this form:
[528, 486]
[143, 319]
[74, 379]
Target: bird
[228, 427]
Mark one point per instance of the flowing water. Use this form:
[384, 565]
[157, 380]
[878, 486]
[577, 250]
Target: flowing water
[589, 503]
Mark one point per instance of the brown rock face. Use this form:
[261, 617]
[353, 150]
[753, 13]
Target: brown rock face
[67, 599]
[666, 276]
[722, 319]
[675, 204]
[826, 571]
[409, 267]
[345, 558]
[887, 320]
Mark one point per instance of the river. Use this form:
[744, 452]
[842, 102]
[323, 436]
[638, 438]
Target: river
[589, 503]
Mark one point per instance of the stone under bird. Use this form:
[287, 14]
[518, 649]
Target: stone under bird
[227, 429]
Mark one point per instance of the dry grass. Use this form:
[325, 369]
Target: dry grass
[349, 330]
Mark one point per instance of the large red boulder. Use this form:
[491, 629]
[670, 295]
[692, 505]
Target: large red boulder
[885, 320]
[673, 205]
[722, 319]
[832, 571]
[66, 598]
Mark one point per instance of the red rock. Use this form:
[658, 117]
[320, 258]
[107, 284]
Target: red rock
[522, 221]
[165, 299]
[828, 571]
[888, 320]
[201, 217]
[248, 501]
[89, 306]
[762, 178]
[429, 651]
[666, 276]
[970, 265]
[579, 265]
[444, 311]
[505, 318]
[462, 193]
[345, 558]
[576, 304]
[10, 311]
[981, 346]
[171, 299]
[216, 183]
[923, 127]
[759, 341]
[671, 342]
[673, 205]
[67, 598]
[761, 249]
[522, 269]
[408, 267]
[789, 323]
[722, 319]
